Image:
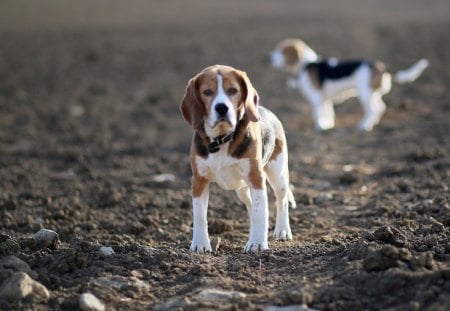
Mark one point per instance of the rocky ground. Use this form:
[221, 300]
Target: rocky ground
[93, 150]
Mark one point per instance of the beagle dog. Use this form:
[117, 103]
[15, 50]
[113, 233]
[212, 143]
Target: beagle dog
[236, 144]
[323, 81]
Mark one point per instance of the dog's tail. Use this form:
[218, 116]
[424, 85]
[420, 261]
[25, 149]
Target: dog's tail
[291, 200]
[412, 73]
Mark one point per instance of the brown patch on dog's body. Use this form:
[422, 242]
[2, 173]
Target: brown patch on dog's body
[199, 182]
[313, 73]
[376, 79]
[277, 150]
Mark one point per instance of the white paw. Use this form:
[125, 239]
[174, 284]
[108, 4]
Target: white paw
[255, 247]
[282, 234]
[324, 125]
[201, 246]
[367, 127]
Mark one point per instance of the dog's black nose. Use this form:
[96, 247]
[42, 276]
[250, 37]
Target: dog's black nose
[221, 109]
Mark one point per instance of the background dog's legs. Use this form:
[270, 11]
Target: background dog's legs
[200, 240]
[374, 108]
[278, 177]
[323, 114]
[327, 120]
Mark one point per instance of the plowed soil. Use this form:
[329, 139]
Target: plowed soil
[92, 146]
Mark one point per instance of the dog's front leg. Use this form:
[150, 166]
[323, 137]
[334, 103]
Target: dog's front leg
[259, 221]
[200, 197]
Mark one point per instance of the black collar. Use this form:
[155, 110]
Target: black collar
[213, 147]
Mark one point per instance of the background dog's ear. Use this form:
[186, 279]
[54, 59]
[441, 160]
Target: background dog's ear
[191, 106]
[250, 98]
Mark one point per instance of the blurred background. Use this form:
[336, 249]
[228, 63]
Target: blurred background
[92, 145]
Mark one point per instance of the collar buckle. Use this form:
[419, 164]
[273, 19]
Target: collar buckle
[214, 146]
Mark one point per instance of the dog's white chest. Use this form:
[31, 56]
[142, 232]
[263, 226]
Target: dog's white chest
[224, 170]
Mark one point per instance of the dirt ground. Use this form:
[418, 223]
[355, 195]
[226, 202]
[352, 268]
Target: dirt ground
[92, 146]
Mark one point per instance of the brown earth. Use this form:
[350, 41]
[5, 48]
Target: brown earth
[89, 121]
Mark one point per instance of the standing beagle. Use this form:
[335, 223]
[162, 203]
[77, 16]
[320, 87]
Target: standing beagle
[237, 144]
[323, 81]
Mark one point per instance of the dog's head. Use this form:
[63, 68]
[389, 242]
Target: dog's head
[219, 97]
[290, 53]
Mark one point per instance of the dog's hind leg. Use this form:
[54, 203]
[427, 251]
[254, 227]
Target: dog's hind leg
[244, 195]
[322, 113]
[374, 108]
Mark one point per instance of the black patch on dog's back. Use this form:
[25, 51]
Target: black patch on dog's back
[334, 70]
[200, 148]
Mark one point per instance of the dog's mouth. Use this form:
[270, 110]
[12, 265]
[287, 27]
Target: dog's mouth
[222, 120]
[222, 126]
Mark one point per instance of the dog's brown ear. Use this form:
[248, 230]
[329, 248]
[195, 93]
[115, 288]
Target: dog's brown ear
[191, 106]
[250, 98]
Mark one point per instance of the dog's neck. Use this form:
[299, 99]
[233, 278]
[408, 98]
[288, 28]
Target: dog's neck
[309, 56]
[214, 146]
[213, 143]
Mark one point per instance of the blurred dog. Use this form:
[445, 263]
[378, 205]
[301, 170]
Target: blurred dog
[324, 81]
[236, 143]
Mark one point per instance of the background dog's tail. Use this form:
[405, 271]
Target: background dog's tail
[291, 199]
[412, 73]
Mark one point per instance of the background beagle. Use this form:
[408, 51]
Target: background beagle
[237, 144]
[323, 81]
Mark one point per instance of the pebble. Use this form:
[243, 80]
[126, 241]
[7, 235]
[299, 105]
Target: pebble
[302, 307]
[46, 238]
[322, 198]
[89, 302]
[160, 178]
[218, 294]
[106, 250]
[348, 178]
[176, 303]
[120, 282]
[20, 285]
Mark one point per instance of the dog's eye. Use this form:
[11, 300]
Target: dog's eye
[208, 92]
[232, 91]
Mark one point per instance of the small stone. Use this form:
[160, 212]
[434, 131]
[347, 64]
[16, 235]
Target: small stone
[322, 198]
[20, 285]
[106, 251]
[215, 243]
[348, 178]
[89, 302]
[46, 238]
[120, 282]
[176, 303]
[160, 178]
[302, 307]
[218, 294]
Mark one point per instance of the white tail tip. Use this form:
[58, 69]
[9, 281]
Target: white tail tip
[412, 73]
